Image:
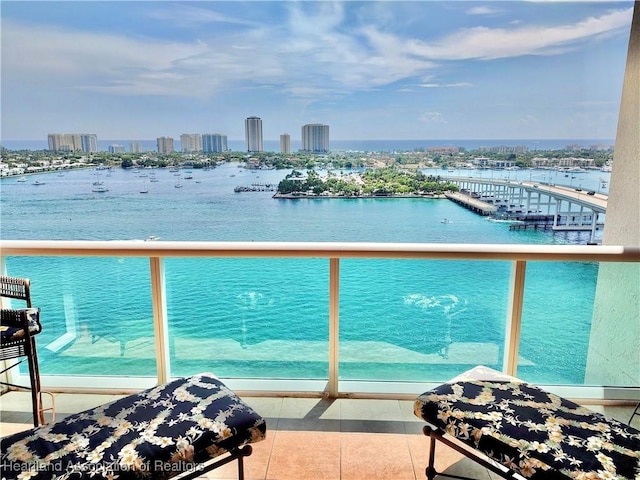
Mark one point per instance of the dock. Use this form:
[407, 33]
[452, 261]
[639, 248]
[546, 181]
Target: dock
[473, 204]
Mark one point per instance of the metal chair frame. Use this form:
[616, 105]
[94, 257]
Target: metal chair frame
[636, 412]
[25, 347]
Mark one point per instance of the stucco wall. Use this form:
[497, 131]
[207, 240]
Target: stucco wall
[614, 348]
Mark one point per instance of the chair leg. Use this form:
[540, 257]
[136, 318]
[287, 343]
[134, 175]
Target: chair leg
[431, 470]
[636, 411]
[34, 377]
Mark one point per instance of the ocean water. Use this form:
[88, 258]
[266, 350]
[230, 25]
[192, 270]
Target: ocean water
[268, 318]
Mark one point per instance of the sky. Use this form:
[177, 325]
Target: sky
[370, 70]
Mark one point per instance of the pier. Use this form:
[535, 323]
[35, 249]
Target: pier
[537, 205]
[473, 204]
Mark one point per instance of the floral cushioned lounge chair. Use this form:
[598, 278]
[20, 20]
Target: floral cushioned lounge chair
[525, 430]
[168, 430]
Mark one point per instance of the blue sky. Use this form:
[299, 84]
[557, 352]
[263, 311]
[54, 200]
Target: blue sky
[370, 70]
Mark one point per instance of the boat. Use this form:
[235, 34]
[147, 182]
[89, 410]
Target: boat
[445, 220]
[98, 185]
[22, 179]
[37, 182]
[503, 220]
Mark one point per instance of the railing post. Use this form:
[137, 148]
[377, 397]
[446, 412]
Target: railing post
[334, 330]
[514, 318]
[160, 327]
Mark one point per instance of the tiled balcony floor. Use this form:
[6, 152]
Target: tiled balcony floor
[313, 438]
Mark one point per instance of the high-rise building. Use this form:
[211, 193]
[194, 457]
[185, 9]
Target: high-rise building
[135, 147]
[60, 142]
[214, 143]
[315, 138]
[165, 144]
[285, 143]
[253, 134]
[89, 142]
[115, 148]
[73, 142]
[191, 142]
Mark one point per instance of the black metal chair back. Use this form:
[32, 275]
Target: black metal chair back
[18, 327]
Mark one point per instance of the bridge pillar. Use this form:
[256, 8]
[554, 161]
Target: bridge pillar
[594, 226]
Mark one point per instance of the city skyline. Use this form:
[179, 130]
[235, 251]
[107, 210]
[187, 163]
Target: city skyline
[405, 70]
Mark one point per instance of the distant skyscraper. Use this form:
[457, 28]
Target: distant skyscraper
[135, 147]
[116, 148]
[165, 144]
[285, 143]
[315, 138]
[88, 142]
[60, 142]
[73, 142]
[214, 143]
[253, 134]
[191, 142]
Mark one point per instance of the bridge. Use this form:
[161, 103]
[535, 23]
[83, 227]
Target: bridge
[535, 204]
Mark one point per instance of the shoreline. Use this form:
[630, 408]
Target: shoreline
[290, 196]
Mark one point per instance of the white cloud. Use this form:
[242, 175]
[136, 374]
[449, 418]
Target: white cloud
[491, 43]
[446, 85]
[52, 51]
[432, 117]
[483, 10]
[528, 121]
[187, 15]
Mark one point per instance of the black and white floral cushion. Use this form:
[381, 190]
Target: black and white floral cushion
[162, 432]
[533, 432]
[12, 328]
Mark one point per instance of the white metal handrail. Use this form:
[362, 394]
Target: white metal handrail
[450, 251]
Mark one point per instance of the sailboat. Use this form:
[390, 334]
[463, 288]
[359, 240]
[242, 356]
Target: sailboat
[98, 186]
[144, 188]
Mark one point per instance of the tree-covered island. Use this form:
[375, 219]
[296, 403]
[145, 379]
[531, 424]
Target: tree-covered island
[379, 182]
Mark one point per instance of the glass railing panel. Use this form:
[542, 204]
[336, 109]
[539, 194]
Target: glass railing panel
[96, 314]
[418, 320]
[556, 322]
[248, 318]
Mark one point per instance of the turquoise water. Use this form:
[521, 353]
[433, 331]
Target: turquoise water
[268, 318]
